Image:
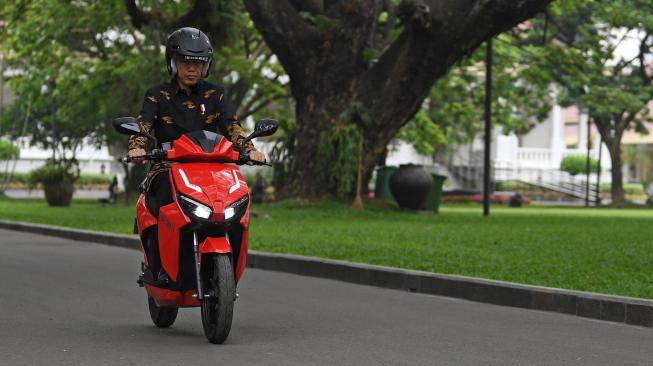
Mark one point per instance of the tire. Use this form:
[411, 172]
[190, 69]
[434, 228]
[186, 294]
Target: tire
[218, 309]
[161, 316]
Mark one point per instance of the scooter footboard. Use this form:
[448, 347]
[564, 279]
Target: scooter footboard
[169, 298]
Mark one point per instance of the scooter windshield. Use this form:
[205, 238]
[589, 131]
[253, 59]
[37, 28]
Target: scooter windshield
[207, 140]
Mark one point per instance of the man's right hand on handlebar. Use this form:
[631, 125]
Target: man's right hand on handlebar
[137, 156]
[256, 157]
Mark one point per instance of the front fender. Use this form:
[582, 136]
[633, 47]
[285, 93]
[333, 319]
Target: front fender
[215, 245]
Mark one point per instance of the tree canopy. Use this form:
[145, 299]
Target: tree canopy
[587, 55]
[102, 58]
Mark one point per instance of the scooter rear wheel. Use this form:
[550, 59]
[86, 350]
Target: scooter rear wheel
[161, 316]
[217, 310]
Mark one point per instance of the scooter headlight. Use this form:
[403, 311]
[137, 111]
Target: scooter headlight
[194, 209]
[237, 209]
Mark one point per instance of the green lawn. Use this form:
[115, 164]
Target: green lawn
[599, 250]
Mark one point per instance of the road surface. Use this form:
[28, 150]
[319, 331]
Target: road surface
[76, 303]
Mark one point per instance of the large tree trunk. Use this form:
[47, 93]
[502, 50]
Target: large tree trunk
[617, 190]
[612, 135]
[325, 56]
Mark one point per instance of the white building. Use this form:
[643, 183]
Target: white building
[533, 158]
[91, 159]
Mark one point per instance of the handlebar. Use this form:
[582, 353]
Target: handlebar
[159, 155]
[243, 158]
[155, 155]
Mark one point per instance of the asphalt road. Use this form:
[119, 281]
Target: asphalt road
[74, 303]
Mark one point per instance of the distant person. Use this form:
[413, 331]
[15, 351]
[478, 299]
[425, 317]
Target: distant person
[516, 200]
[258, 192]
[184, 104]
[112, 189]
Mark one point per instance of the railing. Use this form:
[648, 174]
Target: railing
[554, 180]
[534, 154]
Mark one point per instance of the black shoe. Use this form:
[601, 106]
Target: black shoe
[146, 277]
[163, 278]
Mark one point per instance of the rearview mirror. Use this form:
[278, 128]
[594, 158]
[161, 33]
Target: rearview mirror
[264, 127]
[127, 126]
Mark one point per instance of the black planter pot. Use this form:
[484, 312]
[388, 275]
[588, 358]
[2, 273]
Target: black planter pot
[410, 185]
[58, 193]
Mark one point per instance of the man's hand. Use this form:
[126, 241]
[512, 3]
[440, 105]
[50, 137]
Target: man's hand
[256, 156]
[137, 156]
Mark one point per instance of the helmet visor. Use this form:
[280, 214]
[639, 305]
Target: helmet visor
[204, 59]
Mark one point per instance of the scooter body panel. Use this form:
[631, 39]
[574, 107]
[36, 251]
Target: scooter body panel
[241, 261]
[215, 245]
[213, 184]
[171, 221]
[144, 218]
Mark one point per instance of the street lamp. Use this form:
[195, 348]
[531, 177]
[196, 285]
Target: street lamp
[48, 89]
[488, 128]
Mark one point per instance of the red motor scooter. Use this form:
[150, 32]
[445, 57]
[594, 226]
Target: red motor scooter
[203, 233]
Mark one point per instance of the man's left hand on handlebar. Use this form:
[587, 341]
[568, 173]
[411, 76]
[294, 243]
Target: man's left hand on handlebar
[256, 156]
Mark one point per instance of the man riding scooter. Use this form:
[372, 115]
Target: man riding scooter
[184, 104]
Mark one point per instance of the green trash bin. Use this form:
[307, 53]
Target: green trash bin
[382, 184]
[435, 196]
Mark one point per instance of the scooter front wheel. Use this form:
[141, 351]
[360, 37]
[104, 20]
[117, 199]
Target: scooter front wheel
[161, 316]
[217, 309]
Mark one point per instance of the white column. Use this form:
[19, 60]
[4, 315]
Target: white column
[582, 129]
[557, 135]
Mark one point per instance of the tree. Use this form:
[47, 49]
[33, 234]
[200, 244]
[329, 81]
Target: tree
[102, 61]
[75, 57]
[383, 56]
[453, 114]
[615, 89]
[242, 61]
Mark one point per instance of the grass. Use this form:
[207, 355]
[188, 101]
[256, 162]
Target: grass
[89, 215]
[599, 250]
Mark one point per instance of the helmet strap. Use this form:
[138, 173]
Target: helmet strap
[173, 66]
[206, 67]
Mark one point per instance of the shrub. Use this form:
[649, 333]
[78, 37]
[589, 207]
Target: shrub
[631, 189]
[337, 158]
[52, 173]
[8, 150]
[575, 164]
[95, 179]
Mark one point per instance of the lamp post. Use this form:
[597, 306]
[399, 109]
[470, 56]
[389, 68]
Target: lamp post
[488, 128]
[48, 89]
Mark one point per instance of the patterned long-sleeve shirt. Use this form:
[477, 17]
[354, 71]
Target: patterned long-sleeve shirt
[169, 112]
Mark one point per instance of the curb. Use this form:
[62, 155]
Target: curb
[620, 309]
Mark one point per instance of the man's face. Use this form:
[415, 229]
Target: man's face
[189, 72]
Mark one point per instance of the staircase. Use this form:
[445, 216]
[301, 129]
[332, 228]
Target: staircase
[471, 178]
[554, 180]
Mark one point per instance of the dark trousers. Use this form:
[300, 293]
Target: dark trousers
[158, 195]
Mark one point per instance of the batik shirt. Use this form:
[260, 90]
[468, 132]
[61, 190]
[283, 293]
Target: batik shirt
[170, 111]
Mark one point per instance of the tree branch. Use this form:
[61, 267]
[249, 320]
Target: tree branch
[426, 50]
[392, 18]
[643, 51]
[285, 31]
[199, 13]
[138, 18]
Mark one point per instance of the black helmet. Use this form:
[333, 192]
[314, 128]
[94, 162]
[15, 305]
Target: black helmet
[190, 44]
